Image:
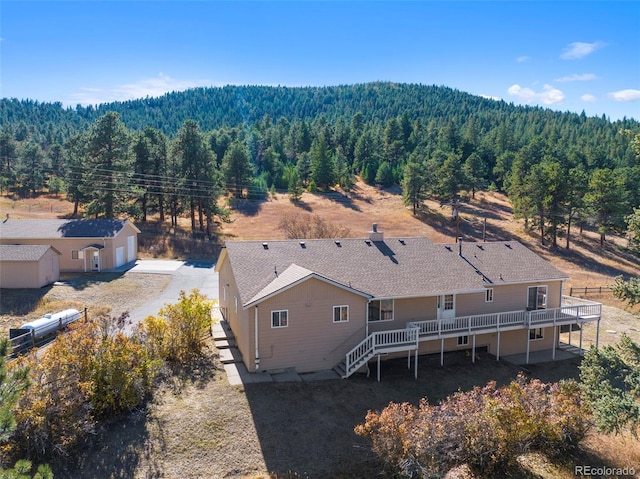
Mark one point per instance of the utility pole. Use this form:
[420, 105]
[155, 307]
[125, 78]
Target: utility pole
[456, 216]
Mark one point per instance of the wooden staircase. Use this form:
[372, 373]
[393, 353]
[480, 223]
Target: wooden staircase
[376, 344]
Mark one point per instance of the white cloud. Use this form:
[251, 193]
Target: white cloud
[523, 59]
[576, 50]
[490, 97]
[151, 87]
[625, 95]
[548, 96]
[577, 77]
[588, 97]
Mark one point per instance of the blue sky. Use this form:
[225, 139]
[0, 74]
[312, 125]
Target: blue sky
[567, 55]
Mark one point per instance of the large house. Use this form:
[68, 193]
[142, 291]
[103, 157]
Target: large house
[320, 304]
[82, 245]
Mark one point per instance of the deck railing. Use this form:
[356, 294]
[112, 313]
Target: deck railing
[584, 312]
[380, 342]
[572, 310]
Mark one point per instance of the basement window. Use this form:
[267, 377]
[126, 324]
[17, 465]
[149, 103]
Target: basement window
[463, 340]
[535, 334]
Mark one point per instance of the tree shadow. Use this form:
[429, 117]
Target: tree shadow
[341, 199]
[20, 302]
[246, 206]
[80, 281]
[115, 451]
[303, 205]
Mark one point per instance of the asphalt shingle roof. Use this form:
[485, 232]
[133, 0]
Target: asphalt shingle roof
[393, 268]
[18, 252]
[53, 228]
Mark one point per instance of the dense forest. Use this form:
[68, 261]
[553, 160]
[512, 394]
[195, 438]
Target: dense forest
[177, 154]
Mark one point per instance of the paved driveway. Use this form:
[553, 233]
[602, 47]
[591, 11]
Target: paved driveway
[186, 275]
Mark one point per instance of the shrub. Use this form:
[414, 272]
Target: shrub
[486, 428]
[178, 333]
[85, 375]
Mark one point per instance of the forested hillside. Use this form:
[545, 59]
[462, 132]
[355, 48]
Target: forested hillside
[179, 153]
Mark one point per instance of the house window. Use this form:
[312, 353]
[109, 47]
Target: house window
[75, 254]
[446, 302]
[463, 340]
[340, 314]
[488, 295]
[381, 310]
[537, 333]
[536, 297]
[279, 319]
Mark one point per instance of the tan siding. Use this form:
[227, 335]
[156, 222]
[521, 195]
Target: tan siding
[238, 321]
[66, 245]
[311, 341]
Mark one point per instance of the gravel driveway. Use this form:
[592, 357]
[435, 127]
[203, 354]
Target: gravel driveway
[185, 276]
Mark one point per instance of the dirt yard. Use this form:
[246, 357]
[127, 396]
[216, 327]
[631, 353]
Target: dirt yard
[202, 427]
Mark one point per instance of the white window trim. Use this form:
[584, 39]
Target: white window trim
[279, 311]
[535, 333]
[393, 311]
[488, 295]
[340, 307]
[546, 296]
[465, 341]
[224, 293]
[235, 298]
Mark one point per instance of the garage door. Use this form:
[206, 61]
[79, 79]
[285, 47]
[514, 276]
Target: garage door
[131, 248]
[119, 256]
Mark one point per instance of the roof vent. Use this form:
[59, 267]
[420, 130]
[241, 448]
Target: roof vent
[508, 245]
[338, 244]
[265, 245]
[402, 242]
[368, 242]
[480, 246]
[303, 245]
[448, 247]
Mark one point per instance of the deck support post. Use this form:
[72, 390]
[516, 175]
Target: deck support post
[416, 364]
[553, 350]
[473, 348]
[570, 328]
[581, 328]
[598, 333]
[409, 360]
[378, 367]
[442, 352]
[528, 341]
[498, 347]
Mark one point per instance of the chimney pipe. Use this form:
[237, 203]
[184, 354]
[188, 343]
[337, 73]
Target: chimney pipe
[374, 228]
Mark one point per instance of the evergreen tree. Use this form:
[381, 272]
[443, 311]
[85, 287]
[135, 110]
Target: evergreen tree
[323, 167]
[201, 178]
[606, 198]
[30, 168]
[237, 169]
[414, 183]
[108, 169]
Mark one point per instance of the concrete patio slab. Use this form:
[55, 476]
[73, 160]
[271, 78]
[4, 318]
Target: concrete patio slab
[325, 375]
[231, 355]
[537, 357]
[286, 377]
